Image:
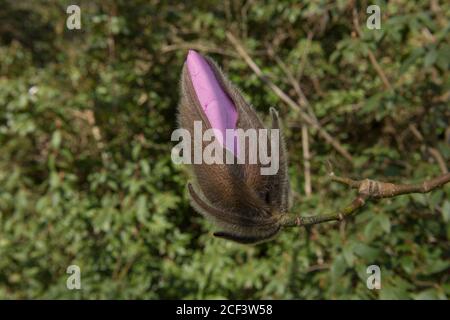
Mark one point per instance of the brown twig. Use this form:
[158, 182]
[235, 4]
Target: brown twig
[300, 221]
[196, 46]
[379, 190]
[439, 159]
[306, 161]
[283, 96]
[317, 267]
[367, 190]
[432, 151]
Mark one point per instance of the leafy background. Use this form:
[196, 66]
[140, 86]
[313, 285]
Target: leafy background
[86, 176]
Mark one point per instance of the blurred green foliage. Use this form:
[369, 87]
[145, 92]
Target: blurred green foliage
[86, 176]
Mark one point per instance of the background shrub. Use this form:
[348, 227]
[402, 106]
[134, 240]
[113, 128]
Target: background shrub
[86, 176]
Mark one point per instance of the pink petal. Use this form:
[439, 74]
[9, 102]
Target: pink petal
[216, 104]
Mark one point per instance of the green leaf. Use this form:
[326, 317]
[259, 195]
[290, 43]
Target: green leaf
[393, 293]
[142, 210]
[366, 251]
[385, 222]
[429, 294]
[419, 198]
[430, 57]
[56, 139]
[412, 58]
[338, 267]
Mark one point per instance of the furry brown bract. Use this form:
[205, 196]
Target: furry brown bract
[247, 206]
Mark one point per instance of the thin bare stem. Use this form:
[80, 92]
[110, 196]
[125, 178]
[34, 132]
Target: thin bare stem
[196, 46]
[347, 181]
[378, 189]
[306, 161]
[432, 151]
[283, 96]
[367, 190]
[300, 221]
[439, 159]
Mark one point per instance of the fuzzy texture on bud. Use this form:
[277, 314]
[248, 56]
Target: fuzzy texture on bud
[246, 205]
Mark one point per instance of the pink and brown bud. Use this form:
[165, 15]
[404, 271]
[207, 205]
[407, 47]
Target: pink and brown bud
[245, 203]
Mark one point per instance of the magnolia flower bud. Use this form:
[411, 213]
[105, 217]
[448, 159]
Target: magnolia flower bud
[237, 196]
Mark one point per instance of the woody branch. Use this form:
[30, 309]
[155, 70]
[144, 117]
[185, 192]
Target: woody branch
[367, 190]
